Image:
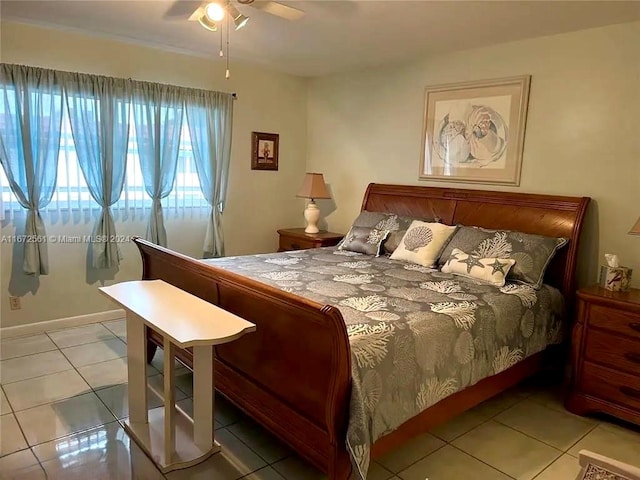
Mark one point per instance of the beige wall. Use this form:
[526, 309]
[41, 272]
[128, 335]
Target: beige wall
[258, 202]
[582, 133]
[358, 128]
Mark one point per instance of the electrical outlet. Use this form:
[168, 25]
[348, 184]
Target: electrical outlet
[14, 302]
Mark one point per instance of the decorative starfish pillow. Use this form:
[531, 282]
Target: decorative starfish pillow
[423, 243]
[491, 270]
[532, 253]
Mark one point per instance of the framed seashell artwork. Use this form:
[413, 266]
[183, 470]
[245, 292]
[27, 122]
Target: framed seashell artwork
[474, 131]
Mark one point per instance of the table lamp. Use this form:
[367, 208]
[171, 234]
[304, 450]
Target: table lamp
[313, 187]
[635, 230]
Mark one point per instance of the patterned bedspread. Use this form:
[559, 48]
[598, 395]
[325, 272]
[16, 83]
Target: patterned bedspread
[417, 335]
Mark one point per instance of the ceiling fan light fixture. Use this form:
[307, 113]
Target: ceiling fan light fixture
[214, 11]
[207, 23]
[239, 20]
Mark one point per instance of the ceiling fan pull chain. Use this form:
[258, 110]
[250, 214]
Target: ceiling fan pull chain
[221, 52]
[227, 73]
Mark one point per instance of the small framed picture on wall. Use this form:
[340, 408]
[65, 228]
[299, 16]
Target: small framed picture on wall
[264, 151]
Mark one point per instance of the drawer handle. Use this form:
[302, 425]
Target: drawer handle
[632, 357]
[295, 246]
[635, 326]
[630, 392]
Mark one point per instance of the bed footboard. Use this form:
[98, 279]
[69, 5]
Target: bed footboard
[292, 374]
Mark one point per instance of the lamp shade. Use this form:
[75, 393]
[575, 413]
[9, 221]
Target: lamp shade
[313, 186]
[635, 230]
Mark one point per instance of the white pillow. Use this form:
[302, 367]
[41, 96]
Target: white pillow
[423, 242]
[491, 270]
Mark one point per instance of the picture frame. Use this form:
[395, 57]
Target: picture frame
[264, 151]
[473, 132]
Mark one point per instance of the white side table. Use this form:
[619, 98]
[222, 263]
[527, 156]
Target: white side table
[168, 435]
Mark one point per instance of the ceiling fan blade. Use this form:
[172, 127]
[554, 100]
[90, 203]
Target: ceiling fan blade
[279, 10]
[181, 9]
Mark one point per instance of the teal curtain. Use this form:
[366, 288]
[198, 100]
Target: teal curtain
[31, 109]
[99, 117]
[31, 120]
[210, 118]
[157, 112]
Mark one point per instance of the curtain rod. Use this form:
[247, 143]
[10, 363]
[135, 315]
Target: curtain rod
[234, 95]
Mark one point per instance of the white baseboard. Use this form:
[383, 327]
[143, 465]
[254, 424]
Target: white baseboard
[49, 325]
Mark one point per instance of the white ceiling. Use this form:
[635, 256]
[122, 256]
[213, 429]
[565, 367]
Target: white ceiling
[333, 35]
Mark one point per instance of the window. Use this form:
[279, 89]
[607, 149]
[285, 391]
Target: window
[71, 191]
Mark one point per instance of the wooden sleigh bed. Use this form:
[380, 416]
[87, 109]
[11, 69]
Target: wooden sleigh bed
[295, 380]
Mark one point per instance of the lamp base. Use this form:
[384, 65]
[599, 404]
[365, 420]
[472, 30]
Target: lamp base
[312, 215]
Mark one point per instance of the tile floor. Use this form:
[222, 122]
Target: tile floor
[63, 394]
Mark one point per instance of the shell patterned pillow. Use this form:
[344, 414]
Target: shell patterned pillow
[364, 240]
[423, 243]
[492, 270]
[375, 225]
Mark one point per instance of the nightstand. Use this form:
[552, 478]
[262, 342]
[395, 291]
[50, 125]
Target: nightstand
[606, 354]
[296, 239]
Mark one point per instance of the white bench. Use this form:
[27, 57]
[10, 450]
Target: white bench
[168, 435]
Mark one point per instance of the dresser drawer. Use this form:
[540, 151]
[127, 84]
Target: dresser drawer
[288, 243]
[615, 320]
[617, 387]
[614, 351]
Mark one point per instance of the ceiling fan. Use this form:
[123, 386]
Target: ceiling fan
[214, 14]
[210, 12]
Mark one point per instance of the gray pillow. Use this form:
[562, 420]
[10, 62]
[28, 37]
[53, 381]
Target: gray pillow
[364, 240]
[532, 253]
[396, 225]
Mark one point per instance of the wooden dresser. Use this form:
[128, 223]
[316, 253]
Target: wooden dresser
[296, 239]
[606, 354]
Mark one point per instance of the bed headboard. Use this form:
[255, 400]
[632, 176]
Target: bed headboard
[549, 215]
